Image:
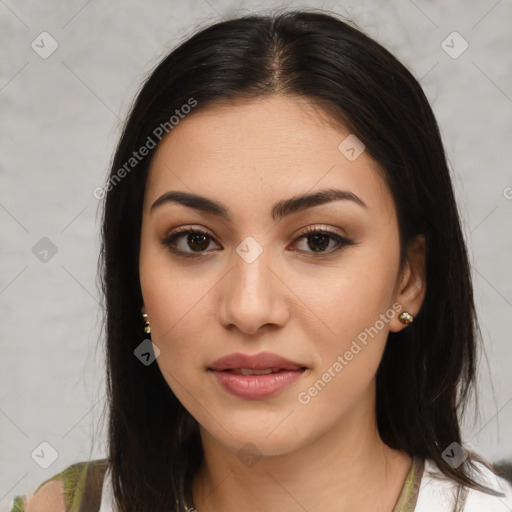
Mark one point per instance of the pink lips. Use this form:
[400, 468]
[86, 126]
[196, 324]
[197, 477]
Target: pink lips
[227, 372]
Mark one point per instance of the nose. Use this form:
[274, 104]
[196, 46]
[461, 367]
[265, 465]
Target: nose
[252, 297]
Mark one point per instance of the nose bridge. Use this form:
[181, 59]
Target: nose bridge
[252, 284]
[251, 298]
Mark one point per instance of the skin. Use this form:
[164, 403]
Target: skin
[49, 498]
[303, 305]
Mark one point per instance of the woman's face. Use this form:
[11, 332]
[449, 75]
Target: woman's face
[258, 280]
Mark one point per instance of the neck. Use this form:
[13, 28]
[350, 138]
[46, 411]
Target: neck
[348, 468]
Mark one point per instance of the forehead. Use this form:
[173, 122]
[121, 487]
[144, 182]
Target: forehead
[255, 152]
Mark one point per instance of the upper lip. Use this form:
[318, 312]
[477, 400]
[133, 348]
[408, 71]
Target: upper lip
[260, 361]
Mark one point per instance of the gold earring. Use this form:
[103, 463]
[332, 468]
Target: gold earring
[406, 318]
[147, 328]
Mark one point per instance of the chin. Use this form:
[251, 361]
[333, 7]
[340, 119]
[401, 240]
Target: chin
[251, 439]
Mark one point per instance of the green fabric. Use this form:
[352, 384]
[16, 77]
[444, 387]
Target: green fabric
[18, 504]
[84, 478]
[409, 496]
[75, 479]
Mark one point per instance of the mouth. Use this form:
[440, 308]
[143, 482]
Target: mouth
[251, 384]
[255, 377]
[262, 371]
[255, 364]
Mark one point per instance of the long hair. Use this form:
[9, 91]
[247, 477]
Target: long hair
[427, 371]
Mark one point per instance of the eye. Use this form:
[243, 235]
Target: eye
[196, 239]
[319, 239]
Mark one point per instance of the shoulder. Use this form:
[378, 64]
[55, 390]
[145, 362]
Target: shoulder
[438, 492]
[48, 498]
[80, 482]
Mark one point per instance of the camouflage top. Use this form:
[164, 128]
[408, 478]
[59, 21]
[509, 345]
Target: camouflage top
[82, 487]
[88, 488]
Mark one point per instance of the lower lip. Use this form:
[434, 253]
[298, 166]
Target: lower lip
[256, 386]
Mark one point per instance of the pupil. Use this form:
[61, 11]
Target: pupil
[192, 239]
[317, 239]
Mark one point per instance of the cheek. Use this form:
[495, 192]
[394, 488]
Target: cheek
[173, 293]
[178, 304]
[355, 294]
[178, 323]
[356, 307]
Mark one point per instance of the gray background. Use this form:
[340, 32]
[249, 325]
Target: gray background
[60, 120]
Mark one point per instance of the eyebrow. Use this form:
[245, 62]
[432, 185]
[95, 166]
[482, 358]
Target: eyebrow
[279, 210]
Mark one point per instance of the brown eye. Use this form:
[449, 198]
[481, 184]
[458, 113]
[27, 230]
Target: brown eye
[318, 241]
[198, 242]
[186, 242]
[195, 242]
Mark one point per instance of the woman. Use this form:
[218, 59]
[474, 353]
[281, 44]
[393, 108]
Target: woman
[280, 212]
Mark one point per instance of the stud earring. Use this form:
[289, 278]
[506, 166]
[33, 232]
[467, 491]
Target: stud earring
[406, 318]
[147, 328]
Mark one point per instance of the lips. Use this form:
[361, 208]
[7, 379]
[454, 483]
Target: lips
[251, 371]
[255, 364]
[255, 377]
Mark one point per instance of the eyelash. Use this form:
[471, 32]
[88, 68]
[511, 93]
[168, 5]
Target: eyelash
[170, 240]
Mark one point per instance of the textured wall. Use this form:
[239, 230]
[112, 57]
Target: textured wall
[60, 118]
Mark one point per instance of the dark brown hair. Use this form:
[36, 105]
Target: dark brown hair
[427, 371]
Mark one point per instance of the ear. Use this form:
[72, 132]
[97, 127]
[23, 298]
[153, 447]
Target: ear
[411, 284]
[143, 309]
